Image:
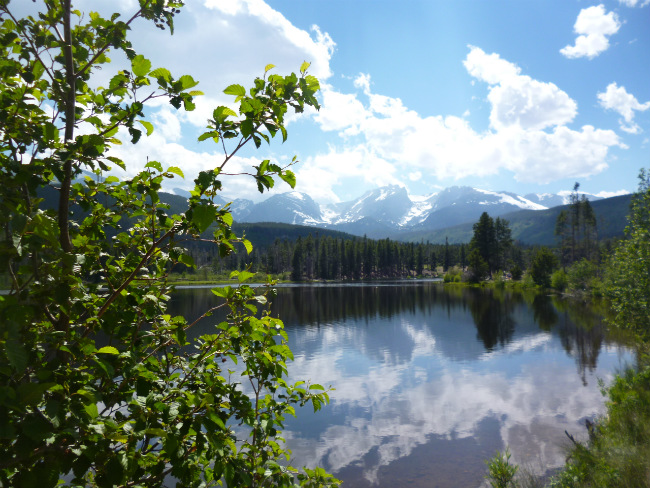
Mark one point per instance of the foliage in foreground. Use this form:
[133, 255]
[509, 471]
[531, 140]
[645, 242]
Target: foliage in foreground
[628, 273]
[618, 450]
[501, 474]
[618, 453]
[99, 386]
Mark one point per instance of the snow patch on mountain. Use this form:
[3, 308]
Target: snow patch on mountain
[297, 195]
[418, 213]
[516, 200]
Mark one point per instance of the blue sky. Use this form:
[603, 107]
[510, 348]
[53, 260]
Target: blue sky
[523, 96]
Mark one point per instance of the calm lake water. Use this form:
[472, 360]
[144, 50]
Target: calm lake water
[431, 381]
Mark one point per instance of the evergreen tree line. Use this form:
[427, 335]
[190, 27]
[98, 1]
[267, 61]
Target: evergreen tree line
[491, 249]
[335, 258]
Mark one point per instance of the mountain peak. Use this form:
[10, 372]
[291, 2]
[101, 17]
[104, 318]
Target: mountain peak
[390, 209]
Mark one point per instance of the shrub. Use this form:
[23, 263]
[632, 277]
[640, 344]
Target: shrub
[581, 274]
[559, 280]
[501, 473]
[516, 272]
[542, 266]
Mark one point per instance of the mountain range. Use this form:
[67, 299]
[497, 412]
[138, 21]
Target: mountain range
[390, 211]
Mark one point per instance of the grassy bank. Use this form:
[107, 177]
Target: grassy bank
[617, 453]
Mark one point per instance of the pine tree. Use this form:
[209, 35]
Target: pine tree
[484, 240]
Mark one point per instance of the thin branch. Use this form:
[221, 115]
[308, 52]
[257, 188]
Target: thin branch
[133, 274]
[8, 12]
[105, 48]
[208, 312]
[70, 119]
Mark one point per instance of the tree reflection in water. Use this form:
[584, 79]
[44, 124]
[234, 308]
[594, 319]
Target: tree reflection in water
[423, 371]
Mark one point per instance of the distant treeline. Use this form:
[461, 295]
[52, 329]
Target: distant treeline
[335, 258]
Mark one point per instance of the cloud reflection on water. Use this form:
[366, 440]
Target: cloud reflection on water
[389, 402]
[430, 382]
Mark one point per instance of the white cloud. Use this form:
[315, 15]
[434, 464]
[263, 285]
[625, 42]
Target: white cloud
[528, 132]
[618, 99]
[518, 99]
[489, 68]
[634, 3]
[166, 121]
[593, 26]
[320, 174]
[340, 111]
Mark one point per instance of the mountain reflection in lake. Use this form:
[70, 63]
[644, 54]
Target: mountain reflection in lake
[431, 381]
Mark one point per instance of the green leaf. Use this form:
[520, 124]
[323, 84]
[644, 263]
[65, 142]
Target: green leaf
[207, 135]
[203, 216]
[45, 227]
[30, 393]
[108, 350]
[244, 275]
[140, 65]
[248, 246]
[117, 161]
[50, 132]
[17, 355]
[161, 74]
[227, 219]
[135, 135]
[147, 125]
[186, 259]
[224, 292]
[38, 69]
[246, 127]
[155, 165]
[176, 170]
[221, 113]
[237, 90]
[91, 409]
[304, 66]
[187, 82]
[288, 177]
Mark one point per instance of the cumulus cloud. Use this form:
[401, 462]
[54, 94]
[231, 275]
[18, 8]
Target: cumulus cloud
[517, 99]
[528, 135]
[319, 175]
[593, 26]
[618, 99]
[340, 111]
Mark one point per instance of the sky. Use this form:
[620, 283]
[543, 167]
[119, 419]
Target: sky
[520, 96]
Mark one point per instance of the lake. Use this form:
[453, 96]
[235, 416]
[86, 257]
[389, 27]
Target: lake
[430, 381]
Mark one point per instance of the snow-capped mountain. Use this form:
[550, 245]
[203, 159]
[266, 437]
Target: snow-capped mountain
[553, 200]
[389, 204]
[288, 208]
[390, 209]
[462, 204]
